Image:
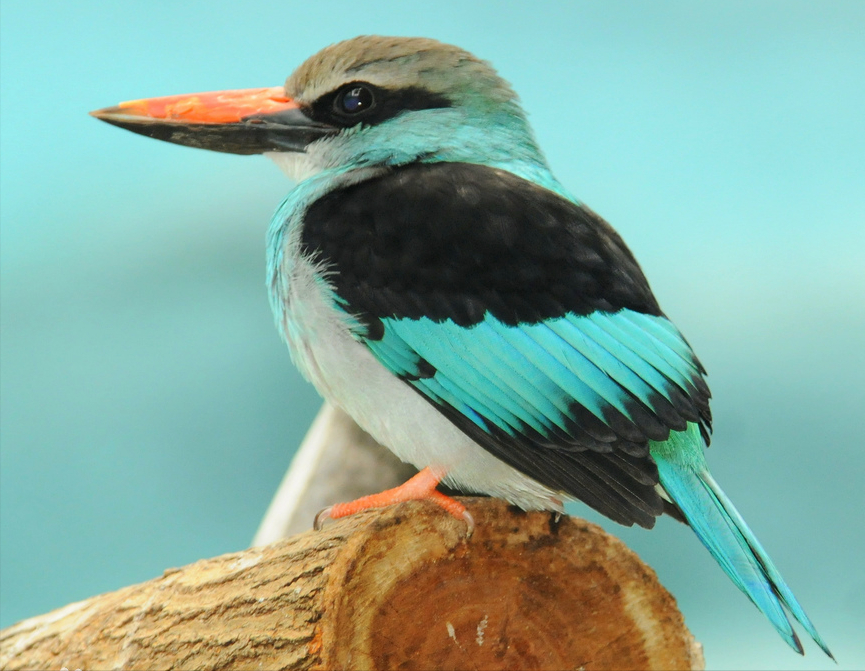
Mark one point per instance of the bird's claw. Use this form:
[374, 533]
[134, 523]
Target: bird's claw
[321, 517]
[470, 523]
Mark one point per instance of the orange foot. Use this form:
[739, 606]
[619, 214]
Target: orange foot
[420, 487]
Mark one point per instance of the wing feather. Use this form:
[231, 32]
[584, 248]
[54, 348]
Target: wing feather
[525, 391]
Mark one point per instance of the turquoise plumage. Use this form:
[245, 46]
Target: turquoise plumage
[529, 373]
[685, 476]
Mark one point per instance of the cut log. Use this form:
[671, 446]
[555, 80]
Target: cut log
[400, 588]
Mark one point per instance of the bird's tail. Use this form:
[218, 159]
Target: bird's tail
[720, 527]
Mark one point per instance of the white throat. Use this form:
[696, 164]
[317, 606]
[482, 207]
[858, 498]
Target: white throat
[297, 165]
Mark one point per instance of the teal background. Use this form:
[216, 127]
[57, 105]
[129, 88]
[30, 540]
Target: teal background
[149, 409]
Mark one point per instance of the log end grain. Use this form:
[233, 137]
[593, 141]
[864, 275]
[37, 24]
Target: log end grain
[400, 588]
[525, 592]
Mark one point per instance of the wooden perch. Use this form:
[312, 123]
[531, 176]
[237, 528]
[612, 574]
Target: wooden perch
[393, 589]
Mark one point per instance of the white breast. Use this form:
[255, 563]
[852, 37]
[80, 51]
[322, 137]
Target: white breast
[349, 376]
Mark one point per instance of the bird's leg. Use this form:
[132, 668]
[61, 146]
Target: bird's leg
[421, 487]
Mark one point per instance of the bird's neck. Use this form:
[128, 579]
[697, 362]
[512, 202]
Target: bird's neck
[502, 140]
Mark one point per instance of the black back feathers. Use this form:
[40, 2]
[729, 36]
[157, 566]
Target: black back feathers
[457, 240]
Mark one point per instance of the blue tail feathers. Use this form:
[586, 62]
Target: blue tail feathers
[720, 527]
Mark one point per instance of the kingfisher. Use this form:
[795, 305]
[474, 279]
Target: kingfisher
[433, 279]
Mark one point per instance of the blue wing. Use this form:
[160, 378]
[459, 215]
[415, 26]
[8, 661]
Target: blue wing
[570, 401]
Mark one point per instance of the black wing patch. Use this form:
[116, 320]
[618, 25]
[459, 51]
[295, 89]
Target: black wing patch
[457, 240]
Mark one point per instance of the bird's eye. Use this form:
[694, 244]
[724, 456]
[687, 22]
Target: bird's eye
[354, 99]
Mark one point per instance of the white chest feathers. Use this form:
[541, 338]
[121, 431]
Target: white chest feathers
[347, 374]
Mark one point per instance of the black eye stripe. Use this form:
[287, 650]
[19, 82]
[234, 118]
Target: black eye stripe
[362, 102]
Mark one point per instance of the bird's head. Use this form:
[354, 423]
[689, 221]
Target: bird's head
[368, 101]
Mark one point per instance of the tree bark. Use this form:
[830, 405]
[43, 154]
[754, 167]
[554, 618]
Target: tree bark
[400, 588]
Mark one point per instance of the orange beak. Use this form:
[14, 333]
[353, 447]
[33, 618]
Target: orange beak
[244, 121]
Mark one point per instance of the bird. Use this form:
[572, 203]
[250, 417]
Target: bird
[433, 278]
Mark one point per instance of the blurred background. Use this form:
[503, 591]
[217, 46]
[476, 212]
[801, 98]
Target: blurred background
[149, 409]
